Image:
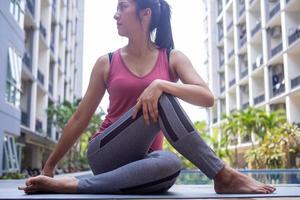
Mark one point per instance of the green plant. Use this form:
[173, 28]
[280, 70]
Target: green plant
[60, 114]
[13, 175]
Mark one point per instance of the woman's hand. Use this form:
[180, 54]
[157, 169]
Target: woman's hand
[148, 101]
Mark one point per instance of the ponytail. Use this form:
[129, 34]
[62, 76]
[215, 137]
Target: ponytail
[160, 21]
[164, 36]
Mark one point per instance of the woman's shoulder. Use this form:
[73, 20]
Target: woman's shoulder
[176, 56]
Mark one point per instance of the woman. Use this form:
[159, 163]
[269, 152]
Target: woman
[126, 156]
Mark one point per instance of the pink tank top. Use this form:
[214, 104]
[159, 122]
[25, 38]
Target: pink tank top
[124, 88]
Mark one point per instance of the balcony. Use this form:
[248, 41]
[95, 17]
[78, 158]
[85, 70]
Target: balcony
[278, 91]
[221, 63]
[221, 35]
[232, 82]
[244, 72]
[256, 28]
[40, 77]
[245, 105]
[274, 10]
[27, 60]
[257, 63]
[30, 5]
[38, 126]
[52, 46]
[54, 6]
[215, 120]
[220, 7]
[259, 99]
[230, 25]
[294, 36]
[295, 82]
[222, 89]
[43, 30]
[278, 85]
[231, 53]
[276, 50]
[242, 10]
[243, 40]
[50, 88]
[24, 118]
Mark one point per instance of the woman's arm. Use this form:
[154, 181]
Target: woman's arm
[193, 90]
[80, 119]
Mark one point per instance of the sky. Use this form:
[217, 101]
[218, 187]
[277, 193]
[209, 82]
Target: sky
[101, 37]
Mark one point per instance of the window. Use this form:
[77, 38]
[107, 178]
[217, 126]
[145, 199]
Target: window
[13, 80]
[17, 10]
[10, 155]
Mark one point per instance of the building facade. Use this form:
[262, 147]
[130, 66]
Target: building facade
[253, 55]
[41, 54]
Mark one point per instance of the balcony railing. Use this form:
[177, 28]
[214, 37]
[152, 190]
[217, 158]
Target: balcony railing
[276, 50]
[278, 91]
[24, 118]
[38, 126]
[43, 30]
[294, 36]
[256, 28]
[274, 10]
[40, 77]
[30, 6]
[295, 82]
[259, 99]
[244, 72]
[232, 82]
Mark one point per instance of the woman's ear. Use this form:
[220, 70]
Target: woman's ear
[146, 12]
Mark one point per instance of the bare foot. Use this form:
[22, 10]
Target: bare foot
[44, 184]
[230, 181]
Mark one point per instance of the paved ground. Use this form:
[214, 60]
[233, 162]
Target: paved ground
[8, 190]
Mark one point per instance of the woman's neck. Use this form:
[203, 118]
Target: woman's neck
[140, 46]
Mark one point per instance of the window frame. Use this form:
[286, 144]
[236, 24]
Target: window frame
[10, 159]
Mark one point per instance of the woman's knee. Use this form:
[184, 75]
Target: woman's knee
[167, 161]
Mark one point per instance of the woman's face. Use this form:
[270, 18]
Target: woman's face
[127, 20]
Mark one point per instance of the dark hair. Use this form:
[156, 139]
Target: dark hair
[161, 21]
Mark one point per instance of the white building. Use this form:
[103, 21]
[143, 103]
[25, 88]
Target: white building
[45, 69]
[253, 55]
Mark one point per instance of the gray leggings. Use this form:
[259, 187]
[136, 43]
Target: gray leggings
[120, 161]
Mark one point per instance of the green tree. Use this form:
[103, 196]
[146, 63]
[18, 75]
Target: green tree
[60, 115]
